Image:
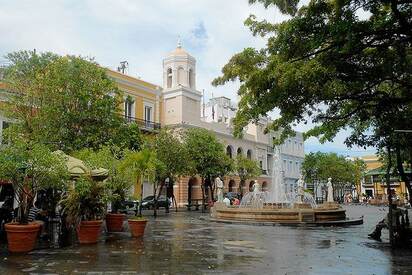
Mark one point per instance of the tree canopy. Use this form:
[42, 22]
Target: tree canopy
[320, 166]
[67, 102]
[246, 168]
[207, 153]
[336, 64]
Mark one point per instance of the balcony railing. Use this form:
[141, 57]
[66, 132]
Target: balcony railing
[144, 124]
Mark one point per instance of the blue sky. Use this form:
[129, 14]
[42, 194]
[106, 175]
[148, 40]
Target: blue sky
[142, 32]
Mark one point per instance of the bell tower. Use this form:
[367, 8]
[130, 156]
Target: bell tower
[181, 99]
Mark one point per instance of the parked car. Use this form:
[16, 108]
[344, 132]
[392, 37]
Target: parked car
[148, 202]
[129, 207]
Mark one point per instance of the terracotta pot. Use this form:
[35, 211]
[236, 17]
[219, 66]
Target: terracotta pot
[89, 231]
[114, 222]
[137, 227]
[21, 237]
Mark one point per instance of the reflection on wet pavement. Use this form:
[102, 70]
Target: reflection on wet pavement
[183, 244]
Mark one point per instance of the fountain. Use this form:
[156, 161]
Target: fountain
[277, 206]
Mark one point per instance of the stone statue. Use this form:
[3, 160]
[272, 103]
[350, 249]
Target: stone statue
[256, 187]
[219, 186]
[330, 190]
[301, 188]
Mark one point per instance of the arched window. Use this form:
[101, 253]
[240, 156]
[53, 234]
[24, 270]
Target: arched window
[251, 185]
[265, 186]
[239, 151]
[232, 186]
[249, 154]
[169, 78]
[181, 76]
[229, 151]
[191, 78]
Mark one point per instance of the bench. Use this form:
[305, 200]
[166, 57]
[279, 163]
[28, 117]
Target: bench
[194, 202]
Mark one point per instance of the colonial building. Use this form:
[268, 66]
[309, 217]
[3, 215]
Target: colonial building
[182, 108]
[374, 181]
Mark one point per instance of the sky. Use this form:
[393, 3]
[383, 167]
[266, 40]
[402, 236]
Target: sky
[143, 32]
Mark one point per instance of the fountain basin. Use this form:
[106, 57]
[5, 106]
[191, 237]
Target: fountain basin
[272, 214]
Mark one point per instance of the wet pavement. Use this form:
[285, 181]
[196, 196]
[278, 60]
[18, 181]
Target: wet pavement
[181, 243]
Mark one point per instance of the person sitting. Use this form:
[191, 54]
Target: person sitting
[235, 201]
[37, 215]
[226, 201]
[377, 233]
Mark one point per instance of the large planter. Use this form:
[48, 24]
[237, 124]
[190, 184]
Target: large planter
[22, 237]
[114, 222]
[137, 227]
[88, 232]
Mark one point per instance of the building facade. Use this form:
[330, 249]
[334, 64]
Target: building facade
[182, 108]
[374, 181]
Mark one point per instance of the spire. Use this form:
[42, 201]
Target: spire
[179, 42]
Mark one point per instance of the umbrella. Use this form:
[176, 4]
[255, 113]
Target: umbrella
[77, 167]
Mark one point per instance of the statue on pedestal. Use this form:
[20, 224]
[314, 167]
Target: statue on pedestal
[330, 190]
[219, 186]
[301, 188]
[256, 187]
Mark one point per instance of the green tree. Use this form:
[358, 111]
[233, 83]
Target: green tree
[174, 156]
[141, 165]
[246, 168]
[208, 157]
[318, 167]
[330, 65]
[31, 168]
[67, 102]
[118, 182]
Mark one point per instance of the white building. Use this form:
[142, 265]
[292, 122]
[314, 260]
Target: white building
[183, 109]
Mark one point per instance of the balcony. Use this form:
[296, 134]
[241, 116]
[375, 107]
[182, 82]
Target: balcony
[144, 125]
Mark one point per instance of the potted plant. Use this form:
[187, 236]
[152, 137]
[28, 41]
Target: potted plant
[139, 165]
[137, 226]
[29, 169]
[85, 206]
[118, 184]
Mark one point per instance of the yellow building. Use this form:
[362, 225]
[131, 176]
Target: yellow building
[374, 181]
[141, 100]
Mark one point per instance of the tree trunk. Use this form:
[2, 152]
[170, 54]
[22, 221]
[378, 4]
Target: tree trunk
[401, 170]
[203, 195]
[388, 186]
[154, 200]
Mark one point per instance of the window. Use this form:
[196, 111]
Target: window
[229, 151]
[261, 164]
[128, 109]
[249, 154]
[191, 79]
[181, 76]
[148, 113]
[169, 78]
[284, 164]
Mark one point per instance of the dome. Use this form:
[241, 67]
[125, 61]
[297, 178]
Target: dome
[179, 51]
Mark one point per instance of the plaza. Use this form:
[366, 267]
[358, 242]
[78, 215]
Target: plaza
[205, 137]
[182, 243]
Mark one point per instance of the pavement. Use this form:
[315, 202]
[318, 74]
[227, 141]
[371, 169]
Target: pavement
[182, 243]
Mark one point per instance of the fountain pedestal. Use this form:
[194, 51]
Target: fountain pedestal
[302, 205]
[329, 205]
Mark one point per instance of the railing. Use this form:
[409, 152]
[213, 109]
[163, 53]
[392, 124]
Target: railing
[143, 124]
[270, 149]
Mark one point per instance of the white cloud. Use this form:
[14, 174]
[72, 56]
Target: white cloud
[141, 32]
